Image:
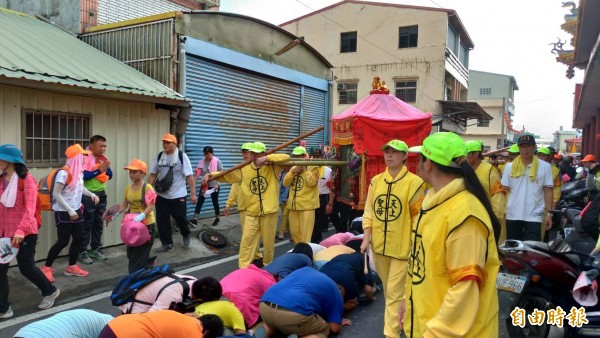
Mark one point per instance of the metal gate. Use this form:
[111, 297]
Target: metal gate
[232, 106]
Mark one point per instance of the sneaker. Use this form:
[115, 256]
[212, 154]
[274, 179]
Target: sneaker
[48, 273]
[9, 313]
[186, 241]
[193, 223]
[97, 254]
[216, 221]
[75, 270]
[164, 248]
[48, 301]
[84, 258]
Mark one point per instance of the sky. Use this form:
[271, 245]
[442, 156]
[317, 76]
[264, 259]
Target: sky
[511, 37]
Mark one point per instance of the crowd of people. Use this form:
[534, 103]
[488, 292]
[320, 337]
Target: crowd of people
[429, 241]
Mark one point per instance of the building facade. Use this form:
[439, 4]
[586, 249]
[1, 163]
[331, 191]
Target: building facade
[495, 94]
[263, 85]
[421, 53]
[49, 103]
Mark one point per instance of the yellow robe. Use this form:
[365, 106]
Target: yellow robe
[453, 267]
[392, 204]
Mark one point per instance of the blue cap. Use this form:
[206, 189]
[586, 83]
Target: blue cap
[10, 153]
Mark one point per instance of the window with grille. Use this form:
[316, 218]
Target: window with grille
[483, 122]
[485, 91]
[49, 133]
[406, 90]
[347, 93]
[408, 36]
[348, 42]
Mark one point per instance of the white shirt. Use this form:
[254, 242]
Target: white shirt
[71, 195]
[323, 188]
[180, 173]
[526, 198]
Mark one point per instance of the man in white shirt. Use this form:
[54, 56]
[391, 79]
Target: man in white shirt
[172, 198]
[529, 182]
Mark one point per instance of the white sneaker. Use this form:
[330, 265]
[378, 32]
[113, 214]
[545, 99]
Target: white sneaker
[9, 313]
[48, 301]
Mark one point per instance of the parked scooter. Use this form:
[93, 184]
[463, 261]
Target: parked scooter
[542, 276]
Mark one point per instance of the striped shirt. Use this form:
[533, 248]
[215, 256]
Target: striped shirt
[81, 323]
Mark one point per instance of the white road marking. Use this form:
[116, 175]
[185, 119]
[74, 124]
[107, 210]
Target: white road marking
[105, 295]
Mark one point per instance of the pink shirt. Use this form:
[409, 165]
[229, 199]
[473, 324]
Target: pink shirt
[338, 239]
[244, 288]
[20, 218]
[172, 293]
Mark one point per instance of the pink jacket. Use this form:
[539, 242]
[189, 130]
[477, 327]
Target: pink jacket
[20, 219]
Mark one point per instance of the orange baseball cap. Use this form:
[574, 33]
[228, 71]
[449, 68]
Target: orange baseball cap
[75, 150]
[169, 138]
[589, 158]
[136, 164]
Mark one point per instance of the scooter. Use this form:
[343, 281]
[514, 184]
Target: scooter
[540, 276]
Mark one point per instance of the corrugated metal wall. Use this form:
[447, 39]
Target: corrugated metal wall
[232, 106]
[149, 48]
[132, 130]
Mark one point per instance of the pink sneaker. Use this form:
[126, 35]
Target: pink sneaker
[75, 270]
[48, 273]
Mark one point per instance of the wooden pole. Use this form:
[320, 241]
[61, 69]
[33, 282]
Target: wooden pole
[279, 147]
[315, 163]
[496, 151]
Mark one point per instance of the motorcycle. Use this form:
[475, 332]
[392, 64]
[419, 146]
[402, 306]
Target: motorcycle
[540, 276]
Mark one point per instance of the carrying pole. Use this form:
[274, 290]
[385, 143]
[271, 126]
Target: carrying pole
[279, 147]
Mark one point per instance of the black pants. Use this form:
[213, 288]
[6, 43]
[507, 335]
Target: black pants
[321, 219]
[347, 214]
[92, 225]
[27, 267]
[523, 231]
[165, 208]
[138, 256]
[334, 217]
[65, 229]
[215, 202]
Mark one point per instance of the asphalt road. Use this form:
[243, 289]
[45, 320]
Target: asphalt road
[367, 321]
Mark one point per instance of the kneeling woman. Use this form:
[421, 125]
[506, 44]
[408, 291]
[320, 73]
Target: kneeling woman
[453, 260]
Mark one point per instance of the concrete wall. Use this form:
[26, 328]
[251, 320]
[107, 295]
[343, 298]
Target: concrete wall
[377, 48]
[133, 130]
[65, 13]
[501, 85]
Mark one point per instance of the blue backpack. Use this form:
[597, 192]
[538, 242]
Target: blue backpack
[128, 286]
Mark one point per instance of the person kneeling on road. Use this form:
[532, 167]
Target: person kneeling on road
[159, 294]
[209, 295]
[300, 257]
[165, 323]
[347, 270]
[307, 297]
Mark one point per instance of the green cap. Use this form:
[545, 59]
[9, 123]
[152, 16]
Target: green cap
[474, 146]
[246, 146]
[396, 145]
[300, 150]
[258, 147]
[514, 149]
[543, 150]
[442, 148]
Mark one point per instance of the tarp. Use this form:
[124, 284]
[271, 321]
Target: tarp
[377, 119]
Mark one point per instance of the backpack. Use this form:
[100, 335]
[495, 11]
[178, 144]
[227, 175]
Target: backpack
[46, 187]
[38, 203]
[128, 286]
[163, 184]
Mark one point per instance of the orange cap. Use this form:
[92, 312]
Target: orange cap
[137, 165]
[589, 158]
[75, 150]
[169, 138]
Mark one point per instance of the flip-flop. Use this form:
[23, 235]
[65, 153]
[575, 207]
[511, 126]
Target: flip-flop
[110, 212]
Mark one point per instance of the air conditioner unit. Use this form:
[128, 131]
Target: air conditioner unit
[341, 86]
